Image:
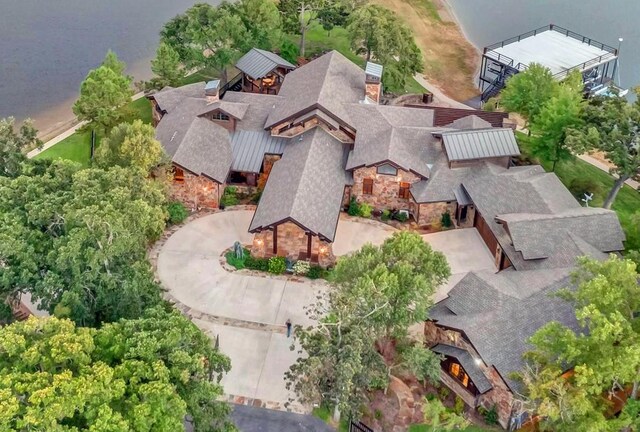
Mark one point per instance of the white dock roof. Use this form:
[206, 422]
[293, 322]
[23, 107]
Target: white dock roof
[554, 50]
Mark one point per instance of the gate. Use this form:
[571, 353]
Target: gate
[359, 427]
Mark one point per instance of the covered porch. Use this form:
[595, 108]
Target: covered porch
[263, 71]
[291, 240]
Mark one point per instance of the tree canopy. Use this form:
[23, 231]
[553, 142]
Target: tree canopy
[13, 144]
[556, 119]
[379, 292]
[130, 145]
[528, 91]
[604, 353]
[143, 374]
[262, 20]
[611, 125]
[383, 37]
[167, 67]
[103, 94]
[76, 240]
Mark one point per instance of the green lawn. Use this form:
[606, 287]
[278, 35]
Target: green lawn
[627, 202]
[427, 428]
[323, 414]
[77, 147]
[319, 40]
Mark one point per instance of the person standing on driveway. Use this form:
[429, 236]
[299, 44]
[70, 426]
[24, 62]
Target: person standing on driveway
[288, 323]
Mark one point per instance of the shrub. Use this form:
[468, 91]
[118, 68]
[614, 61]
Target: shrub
[444, 392]
[289, 51]
[458, 405]
[354, 207]
[316, 272]
[177, 212]
[445, 220]
[376, 213]
[583, 185]
[261, 264]
[234, 261]
[365, 210]
[301, 268]
[277, 265]
[386, 215]
[255, 198]
[490, 415]
[401, 216]
[229, 197]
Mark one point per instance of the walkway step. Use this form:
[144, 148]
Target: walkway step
[233, 322]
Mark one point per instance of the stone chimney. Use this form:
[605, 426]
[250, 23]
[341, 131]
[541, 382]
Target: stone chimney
[212, 91]
[373, 83]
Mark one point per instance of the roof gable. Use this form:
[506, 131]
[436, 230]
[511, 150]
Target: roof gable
[259, 63]
[327, 83]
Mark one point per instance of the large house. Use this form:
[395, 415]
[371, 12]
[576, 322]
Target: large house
[324, 139]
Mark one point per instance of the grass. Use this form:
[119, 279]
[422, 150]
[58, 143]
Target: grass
[428, 428]
[77, 147]
[323, 414]
[627, 202]
[318, 40]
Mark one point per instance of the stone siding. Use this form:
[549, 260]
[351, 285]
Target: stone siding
[386, 188]
[373, 90]
[468, 222]
[430, 213]
[292, 241]
[499, 395]
[197, 192]
[156, 112]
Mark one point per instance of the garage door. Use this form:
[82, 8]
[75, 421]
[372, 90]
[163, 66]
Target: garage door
[486, 234]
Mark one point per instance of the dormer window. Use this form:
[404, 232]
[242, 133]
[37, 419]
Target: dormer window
[219, 115]
[387, 169]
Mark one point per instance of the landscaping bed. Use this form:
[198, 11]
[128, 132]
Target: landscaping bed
[273, 265]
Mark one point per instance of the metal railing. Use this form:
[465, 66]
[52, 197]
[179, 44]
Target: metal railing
[558, 29]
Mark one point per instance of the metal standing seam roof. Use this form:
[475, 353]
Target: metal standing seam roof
[468, 364]
[480, 144]
[249, 148]
[373, 69]
[258, 63]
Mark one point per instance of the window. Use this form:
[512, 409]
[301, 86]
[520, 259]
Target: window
[367, 186]
[178, 175]
[219, 115]
[387, 170]
[404, 190]
[457, 372]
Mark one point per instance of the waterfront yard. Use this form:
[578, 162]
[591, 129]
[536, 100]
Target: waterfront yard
[77, 147]
[450, 61]
[578, 172]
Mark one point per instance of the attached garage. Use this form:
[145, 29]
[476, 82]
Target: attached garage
[501, 260]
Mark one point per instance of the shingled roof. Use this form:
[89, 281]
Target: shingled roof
[329, 83]
[399, 135]
[498, 313]
[169, 98]
[545, 226]
[306, 186]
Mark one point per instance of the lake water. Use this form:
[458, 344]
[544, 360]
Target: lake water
[489, 21]
[48, 46]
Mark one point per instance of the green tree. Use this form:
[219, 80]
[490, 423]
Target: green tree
[112, 62]
[440, 418]
[604, 353]
[167, 66]
[174, 33]
[130, 145]
[143, 374]
[527, 92]
[13, 144]
[76, 240]
[261, 18]
[379, 292]
[103, 95]
[334, 15]
[611, 126]
[558, 117]
[401, 276]
[298, 15]
[382, 36]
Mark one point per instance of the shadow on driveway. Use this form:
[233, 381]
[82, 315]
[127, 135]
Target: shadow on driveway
[253, 419]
